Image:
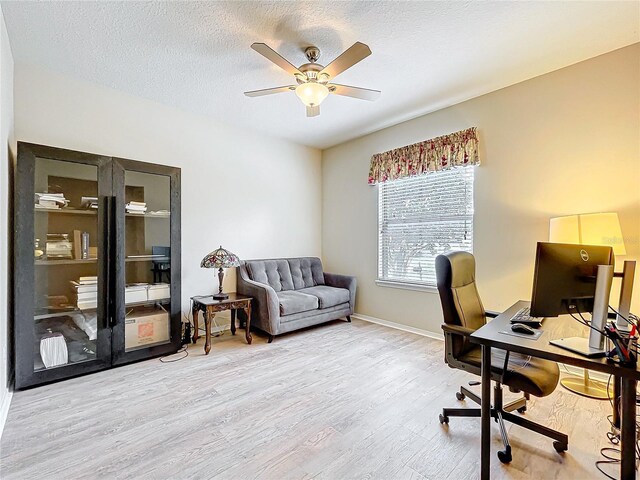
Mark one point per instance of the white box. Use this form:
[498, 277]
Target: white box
[135, 294]
[159, 291]
[146, 329]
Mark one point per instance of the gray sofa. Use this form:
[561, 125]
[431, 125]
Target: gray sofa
[293, 293]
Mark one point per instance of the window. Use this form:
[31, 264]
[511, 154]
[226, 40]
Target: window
[419, 218]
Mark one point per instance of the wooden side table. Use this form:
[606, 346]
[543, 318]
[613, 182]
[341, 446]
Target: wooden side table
[209, 307]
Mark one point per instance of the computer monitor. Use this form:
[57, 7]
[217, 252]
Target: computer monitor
[574, 279]
[565, 278]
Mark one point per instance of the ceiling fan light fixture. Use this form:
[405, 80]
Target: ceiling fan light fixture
[311, 93]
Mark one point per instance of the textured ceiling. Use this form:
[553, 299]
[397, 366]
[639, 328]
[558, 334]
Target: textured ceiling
[426, 55]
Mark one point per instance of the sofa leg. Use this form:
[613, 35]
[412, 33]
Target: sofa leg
[349, 318]
[270, 339]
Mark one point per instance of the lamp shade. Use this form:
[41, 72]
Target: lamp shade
[220, 258]
[588, 229]
[311, 93]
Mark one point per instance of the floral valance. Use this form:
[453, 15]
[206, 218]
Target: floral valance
[454, 150]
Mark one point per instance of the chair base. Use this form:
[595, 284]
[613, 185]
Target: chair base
[502, 413]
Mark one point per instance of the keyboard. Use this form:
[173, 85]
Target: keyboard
[524, 316]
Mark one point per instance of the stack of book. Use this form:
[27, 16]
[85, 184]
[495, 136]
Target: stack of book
[86, 290]
[138, 208]
[50, 201]
[58, 246]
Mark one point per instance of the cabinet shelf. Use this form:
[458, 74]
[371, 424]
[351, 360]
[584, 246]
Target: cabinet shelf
[66, 211]
[73, 261]
[72, 310]
[66, 261]
[78, 211]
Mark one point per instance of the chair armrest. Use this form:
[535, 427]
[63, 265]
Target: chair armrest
[457, 330]
[343, 281]
[266, 309]
[491, 314]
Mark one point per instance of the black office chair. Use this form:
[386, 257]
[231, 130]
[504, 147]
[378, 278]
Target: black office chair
[163, 266]
[463, 314]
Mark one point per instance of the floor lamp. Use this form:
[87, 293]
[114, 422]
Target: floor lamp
[595, 229]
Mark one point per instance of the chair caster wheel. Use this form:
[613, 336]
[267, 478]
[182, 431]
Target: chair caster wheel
[560, 447]
[522, 409]
[504, 456]
[460, 396]
[444, 419]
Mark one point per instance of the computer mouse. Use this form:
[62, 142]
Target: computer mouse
[522, 328]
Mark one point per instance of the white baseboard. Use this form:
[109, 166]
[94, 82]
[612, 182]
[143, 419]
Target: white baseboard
[399, 326]
[4, 410]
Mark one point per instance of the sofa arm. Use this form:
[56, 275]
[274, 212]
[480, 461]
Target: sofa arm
[266, 308]
[343, 281]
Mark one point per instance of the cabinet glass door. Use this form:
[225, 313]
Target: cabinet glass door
[145, 322]
[68, 331]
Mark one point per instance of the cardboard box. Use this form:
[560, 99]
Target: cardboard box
[145, 329]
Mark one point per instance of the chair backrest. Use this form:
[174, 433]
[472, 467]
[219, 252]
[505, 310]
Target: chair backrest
[461, 304]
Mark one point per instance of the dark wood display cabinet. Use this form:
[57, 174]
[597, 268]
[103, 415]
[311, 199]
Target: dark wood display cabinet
[96, 279]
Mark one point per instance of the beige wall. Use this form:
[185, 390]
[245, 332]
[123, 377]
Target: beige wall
[6, 144]
[255, 195]
[562, 143]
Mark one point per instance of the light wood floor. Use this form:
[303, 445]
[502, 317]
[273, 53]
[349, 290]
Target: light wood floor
[333, 402]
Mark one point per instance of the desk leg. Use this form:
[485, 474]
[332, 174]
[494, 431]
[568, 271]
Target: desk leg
[615, 415]
[628, 431]
[207, 326]
[233, 321]
[485, 437]
[248, 336]
[196, 330]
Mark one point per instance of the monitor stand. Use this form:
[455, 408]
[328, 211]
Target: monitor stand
[594, 345]
[626, 291]
[579, 345]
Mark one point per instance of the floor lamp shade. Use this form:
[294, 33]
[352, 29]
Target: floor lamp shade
[220, 259]
[588, 229]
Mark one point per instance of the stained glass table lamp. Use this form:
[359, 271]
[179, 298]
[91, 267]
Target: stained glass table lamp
[220, 259]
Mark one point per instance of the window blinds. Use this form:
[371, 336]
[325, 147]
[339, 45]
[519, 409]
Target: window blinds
[421, 217]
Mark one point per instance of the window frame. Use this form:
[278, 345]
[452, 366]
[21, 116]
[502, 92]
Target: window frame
[406, 284]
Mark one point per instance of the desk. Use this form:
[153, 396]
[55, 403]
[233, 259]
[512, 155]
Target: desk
[489, 337]
[209, 306]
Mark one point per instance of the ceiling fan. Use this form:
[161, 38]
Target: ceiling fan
[314, 80]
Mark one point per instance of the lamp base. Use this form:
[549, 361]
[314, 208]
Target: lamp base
[592, 389]
[220, 296]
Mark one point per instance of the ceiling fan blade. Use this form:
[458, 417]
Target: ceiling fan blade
[313, 111]
[269, 91]
[352, 55]
[268, 52]
[355, 92]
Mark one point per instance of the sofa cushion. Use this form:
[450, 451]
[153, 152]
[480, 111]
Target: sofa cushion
[306, 272]
[275, 273]
[327, 296]
[292, 302]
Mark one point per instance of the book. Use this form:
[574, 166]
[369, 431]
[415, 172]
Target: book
[84, 296]
[89, 304]
[93, 278]
[80, 288]
[77, 244]
[84, 247]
